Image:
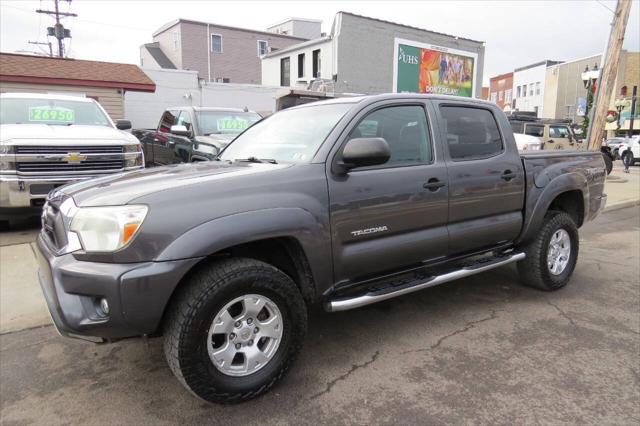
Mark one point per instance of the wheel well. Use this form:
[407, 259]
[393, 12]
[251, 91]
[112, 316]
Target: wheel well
[284, 253]
[572, 203]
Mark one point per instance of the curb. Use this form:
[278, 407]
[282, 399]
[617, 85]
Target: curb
[621, 205]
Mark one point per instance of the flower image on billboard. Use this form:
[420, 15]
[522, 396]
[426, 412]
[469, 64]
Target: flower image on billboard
[433, 70]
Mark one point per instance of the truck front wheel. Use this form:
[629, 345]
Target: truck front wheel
[552, 255]
[234, 329]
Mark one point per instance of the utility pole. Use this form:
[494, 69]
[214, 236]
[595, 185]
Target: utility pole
[58, 30]
[609, 72]
[44, 44]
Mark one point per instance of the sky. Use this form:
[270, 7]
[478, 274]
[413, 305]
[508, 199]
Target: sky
[516, 33]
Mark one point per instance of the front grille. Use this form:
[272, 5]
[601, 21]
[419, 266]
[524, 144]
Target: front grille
[53, 225]
[57, 166]
[40, 150]
[76, 160]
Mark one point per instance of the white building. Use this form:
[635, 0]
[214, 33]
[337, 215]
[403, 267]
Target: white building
[298, 27]
[528, 86]
[297, 65]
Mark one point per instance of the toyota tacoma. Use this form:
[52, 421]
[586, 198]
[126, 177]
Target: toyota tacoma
[340, 203]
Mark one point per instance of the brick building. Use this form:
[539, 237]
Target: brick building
[500, 90]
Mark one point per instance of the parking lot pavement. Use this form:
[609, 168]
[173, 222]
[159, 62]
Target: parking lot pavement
[480, 350]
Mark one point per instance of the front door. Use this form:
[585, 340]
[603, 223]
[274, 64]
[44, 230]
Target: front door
[486, 177]
[560, 137]
[392, 216]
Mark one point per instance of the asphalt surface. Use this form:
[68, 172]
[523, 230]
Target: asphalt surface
[483, 350]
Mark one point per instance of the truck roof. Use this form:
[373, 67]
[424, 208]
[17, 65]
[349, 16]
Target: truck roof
[385, 96]
[46, 96]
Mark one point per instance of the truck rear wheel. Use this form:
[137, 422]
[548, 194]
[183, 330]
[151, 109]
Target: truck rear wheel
[234, 329]
[552, 256]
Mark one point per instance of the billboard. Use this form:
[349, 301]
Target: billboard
[423, 68]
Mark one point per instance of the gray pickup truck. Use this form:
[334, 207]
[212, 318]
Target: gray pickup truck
[341, 203]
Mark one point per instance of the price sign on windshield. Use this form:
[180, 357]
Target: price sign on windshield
[49, 114]
[233, 124]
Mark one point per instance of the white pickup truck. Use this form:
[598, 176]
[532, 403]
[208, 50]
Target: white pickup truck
[50, 140]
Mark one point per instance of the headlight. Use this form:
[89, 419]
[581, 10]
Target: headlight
[532, 147]
[134, 158]
[106, 229]
[7, 159]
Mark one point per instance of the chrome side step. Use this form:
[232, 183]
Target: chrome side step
[369, 298]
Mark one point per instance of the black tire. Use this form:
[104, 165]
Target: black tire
[608, 163]
[190, 315]
[533, 270]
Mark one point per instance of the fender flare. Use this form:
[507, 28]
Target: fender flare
[228, 231]
[557, 186]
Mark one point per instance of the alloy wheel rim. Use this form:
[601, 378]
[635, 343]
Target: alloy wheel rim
[559, 252]
[245, 335]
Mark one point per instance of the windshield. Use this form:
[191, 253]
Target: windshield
[51, 111]
[225, 123]
[289, 136]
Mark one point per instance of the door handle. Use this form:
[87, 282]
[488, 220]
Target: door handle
[433, 184]
[508, 175]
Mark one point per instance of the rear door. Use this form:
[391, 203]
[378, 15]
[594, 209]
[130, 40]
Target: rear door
[486, 176]
[391, 216]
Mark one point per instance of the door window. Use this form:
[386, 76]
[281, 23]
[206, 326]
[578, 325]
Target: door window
[185, 120]
[558, 132]
[471, 132]
[404, 128]
[534, 130]
[168, 119]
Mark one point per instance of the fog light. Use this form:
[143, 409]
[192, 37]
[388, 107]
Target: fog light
[104, 305]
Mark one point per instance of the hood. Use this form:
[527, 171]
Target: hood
[123, 188]
[40, 132]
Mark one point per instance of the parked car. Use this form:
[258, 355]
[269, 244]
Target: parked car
[342, 203]
[187, 134]
[555, 135]
[49, 140]
[631, 149]
[527, 143]
[614, 146]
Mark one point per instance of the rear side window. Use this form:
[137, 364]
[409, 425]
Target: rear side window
[471, 132]
[534, 130]
[404, 128]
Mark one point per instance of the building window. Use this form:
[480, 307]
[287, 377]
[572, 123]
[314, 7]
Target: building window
[316, 63]
[518, 92]
[263, 47]
[285, 68]
[176, 41]
[537, 88]
[494, 97]
[507, 96]
[216, 43]
[301, 65]
[531, 89]
[524, 90]
[500, 95]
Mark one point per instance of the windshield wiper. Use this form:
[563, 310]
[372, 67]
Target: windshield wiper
[257, 160]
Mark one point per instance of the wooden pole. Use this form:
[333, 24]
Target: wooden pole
[608, 74]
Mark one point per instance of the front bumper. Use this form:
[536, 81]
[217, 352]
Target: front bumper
[137, 294]
[20, 194]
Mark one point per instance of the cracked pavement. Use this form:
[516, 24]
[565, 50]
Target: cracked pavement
[480, 350]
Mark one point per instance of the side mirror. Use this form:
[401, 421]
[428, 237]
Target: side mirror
[364, 152]
[123, 124]
[180, 130]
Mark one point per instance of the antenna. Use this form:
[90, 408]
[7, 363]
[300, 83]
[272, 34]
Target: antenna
[44, 44]
[58, 30]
